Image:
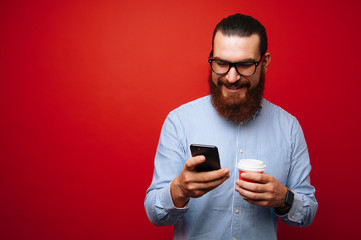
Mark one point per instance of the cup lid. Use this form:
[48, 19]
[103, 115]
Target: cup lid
[252, 165]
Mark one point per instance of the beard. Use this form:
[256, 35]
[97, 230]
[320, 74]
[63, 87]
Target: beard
[233, 107]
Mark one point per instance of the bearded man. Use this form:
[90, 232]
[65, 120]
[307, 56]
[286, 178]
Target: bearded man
[242, 124]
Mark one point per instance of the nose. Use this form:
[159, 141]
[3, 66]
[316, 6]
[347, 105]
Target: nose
[232, 75]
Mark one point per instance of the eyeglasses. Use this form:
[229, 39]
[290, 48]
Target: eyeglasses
[243, 68]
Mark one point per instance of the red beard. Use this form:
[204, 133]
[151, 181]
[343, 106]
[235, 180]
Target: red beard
[234, 108]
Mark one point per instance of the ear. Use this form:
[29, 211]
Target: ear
[266, 61]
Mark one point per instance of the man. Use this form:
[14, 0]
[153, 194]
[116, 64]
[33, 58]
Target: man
[236, 119]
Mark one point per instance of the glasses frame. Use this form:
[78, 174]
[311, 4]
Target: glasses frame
[234, 64]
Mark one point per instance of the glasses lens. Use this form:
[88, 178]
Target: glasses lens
[220, 67]
[246, 68]
[243, 68]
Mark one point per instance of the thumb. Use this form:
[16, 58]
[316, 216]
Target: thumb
[193, 162]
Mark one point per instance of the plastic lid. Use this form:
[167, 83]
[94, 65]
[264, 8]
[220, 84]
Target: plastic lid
[251, 165]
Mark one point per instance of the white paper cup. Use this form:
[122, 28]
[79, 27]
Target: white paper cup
[250, 165]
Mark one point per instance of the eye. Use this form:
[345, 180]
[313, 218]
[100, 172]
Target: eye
[244, 64]
[221, 63]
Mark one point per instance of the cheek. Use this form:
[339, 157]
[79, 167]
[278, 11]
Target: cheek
[254, 80]
[215, 78]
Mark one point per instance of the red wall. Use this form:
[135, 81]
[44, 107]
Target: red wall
[86, 85]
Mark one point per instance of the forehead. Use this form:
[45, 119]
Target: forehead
[235, 48]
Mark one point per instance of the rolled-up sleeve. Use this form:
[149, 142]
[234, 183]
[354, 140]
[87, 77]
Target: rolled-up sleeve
[168, 164]
[304, 206]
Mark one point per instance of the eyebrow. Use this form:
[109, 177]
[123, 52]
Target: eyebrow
[244, 60]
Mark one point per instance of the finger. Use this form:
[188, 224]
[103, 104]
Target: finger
[207, 186]
[251, 187]
[193, 162]
[250, 194]
[255, 176]
[210, 176]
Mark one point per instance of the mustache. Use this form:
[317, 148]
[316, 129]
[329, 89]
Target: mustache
[235, 85]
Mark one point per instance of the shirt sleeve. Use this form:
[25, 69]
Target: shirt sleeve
[168, 164]
[304, 206]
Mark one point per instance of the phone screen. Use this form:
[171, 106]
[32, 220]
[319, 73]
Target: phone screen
[211, 154]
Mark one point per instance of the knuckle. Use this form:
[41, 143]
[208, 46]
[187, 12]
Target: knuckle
[201, 178]
[270, 196]
[188, 164]
[257, 188]
[191, 188]
[219, 173]
[194, 189]
[252, 196]
[210, 185]
[186, 179]
[261, 177]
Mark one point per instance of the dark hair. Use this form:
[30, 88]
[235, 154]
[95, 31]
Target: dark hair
[243, 26]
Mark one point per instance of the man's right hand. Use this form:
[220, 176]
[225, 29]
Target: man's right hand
[193, 184]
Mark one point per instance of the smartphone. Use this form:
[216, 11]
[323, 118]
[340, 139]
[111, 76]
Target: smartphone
[212, 157]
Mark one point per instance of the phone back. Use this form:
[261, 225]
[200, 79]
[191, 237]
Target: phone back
[211, 154]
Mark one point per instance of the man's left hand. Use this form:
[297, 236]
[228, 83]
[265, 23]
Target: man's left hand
[266, 192]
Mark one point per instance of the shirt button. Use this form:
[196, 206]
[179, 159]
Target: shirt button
[241, 123]
[234, 238]
[237, 211]
[293, 217]
[241, 151]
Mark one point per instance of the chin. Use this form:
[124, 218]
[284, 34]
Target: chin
[235, 98]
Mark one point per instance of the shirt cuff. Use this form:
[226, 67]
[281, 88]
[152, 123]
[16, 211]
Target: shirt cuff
[168, 203]
[295, 213]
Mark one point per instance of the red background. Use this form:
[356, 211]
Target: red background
[86, 85]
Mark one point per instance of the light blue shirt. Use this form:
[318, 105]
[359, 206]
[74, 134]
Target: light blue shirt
[272, 135]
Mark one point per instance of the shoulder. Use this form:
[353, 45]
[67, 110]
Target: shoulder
[199, 106]
[276, 111]
[280, 124]
[194, 115]
[278, 118]
[200, 102]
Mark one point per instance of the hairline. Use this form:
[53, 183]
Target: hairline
[230, 34]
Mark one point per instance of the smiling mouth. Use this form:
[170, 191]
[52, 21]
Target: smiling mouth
[236, 87]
